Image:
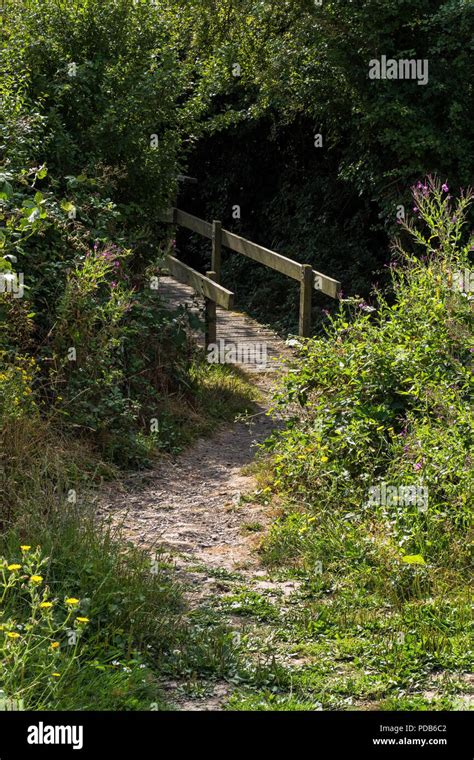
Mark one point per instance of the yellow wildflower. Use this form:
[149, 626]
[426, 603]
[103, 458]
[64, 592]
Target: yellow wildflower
[36, 578]
[72, 601]
[13, 635]
[46, 605]
[13, 567]
[56, 675]
[82, 619]
[54, 644]
[25, 548]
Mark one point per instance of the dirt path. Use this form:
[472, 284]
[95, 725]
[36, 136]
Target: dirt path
[192, 505]
[202, 509]
[199, 507]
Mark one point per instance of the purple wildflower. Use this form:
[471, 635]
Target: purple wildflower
[445, 188]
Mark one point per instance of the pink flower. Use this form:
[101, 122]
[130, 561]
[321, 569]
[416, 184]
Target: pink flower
[444, 188]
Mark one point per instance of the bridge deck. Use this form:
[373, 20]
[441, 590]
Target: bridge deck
[233, 328]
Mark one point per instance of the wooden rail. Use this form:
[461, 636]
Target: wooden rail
[262, 255]
[210, 286]
[201, 284]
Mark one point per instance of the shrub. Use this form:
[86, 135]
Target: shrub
[385, 396]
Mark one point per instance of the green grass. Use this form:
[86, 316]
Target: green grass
[222, 393]
[339, 641]
[218, 394]
[139, 635]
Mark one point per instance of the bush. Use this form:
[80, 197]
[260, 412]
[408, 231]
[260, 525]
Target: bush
[385, 398]
[82, 180]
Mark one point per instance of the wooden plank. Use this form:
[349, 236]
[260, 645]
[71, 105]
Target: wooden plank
[211, 318]
[216, 249]
[262, 255]
[326, 284]
[201, 284]
[193, 223]
[306, 289]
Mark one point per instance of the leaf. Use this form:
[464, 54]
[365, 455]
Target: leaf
[413, 559]
[6, 190]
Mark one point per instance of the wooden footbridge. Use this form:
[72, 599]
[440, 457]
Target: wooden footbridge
[209, 286]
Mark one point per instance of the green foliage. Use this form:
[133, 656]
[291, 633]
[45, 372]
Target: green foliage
[386, 395]
[102, 102]
[31, 644]
[106, 79]
[90, 126]
[304, 71]
[382, 608]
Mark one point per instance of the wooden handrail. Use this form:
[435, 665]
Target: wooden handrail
[201, 284]
[262, 255]
[308, 278]
[192, 223]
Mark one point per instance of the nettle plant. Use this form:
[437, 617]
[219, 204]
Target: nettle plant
[385, 393]
[40, 636]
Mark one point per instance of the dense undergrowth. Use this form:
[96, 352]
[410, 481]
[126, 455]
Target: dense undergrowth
[95, 373]
[375, 484]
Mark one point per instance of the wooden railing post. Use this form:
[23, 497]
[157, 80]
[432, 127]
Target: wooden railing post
[216, 249]
[211, 319]
[306, 289]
